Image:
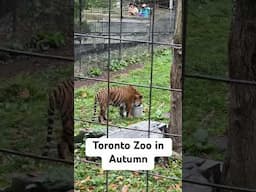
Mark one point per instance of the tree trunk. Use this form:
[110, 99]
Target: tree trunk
[175, 125]
[239, 166]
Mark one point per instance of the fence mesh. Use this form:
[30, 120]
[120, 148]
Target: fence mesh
[94, 49]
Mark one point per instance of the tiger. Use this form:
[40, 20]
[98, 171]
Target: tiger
[124, 97]
[61, 99]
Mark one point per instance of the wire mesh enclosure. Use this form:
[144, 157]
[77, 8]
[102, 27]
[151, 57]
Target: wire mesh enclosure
[113, 49]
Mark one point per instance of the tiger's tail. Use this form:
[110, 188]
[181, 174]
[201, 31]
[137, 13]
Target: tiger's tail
[51, 111]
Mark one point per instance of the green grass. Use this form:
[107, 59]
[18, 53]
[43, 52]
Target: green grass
[84, 97]
[90, 177]
[95, 177]
[94, 64]
[205, 102]
[24, 105]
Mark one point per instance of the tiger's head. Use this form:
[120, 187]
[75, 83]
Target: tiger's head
[137, 100]
[137, 97]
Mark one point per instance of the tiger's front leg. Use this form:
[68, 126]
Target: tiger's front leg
[122, 111]
[129, 110]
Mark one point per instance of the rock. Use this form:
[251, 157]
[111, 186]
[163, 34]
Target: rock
[189, 187]
[20, 182]
[188, 165]
[38, 183]
[200, 170]
[31, 186]
[176, 155]
[8, 189]
[138, 130]
[86, 133]
[211, 170]
[191, 159]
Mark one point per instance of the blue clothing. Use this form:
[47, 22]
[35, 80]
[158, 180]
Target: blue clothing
[144, 12]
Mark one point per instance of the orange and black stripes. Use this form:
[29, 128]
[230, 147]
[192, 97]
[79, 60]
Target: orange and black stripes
[61, 99]
[123, 97]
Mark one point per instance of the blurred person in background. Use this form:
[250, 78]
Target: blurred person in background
[132, 10]
[144, 11]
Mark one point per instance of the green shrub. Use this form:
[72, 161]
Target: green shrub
[117, 64]
[94, 72]
[45, 40]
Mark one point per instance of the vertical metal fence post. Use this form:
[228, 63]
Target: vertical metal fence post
[108, 78]
[121, 30]
[80, 39]
[149, 31]
[151, 78]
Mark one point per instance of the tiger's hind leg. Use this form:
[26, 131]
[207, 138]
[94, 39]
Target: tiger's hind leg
[102, 117]
[65, 144]
[67, 139]
[71, 148]
[62, 146]
[70, 137]
[51, 110]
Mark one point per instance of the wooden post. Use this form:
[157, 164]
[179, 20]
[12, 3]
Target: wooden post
[175, 125]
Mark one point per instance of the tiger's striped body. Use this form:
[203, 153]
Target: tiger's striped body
[61, 99]
[124, 97]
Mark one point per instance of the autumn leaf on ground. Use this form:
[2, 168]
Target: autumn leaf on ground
[101, 172]
[82, 187]
[120, 178]
[84, 95]
[136, 173]
[91, 188]
[86, 179]
[175, 187]
[156, 177]
[125, 188]
[113, 186]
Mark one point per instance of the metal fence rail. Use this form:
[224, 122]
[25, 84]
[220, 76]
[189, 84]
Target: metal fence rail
[29, 53]
[34, 156]
[123, 83]
[43, 158]
[84, 35]
[151, 87]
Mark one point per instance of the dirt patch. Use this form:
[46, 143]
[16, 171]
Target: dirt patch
[104, 76]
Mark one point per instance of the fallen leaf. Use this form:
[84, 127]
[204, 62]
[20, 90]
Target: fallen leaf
[84, 95]
[120, 178]
[125, 188]
[175, 187]
[101, 172]
[86, 179]
[156, 177]
[113, 186]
